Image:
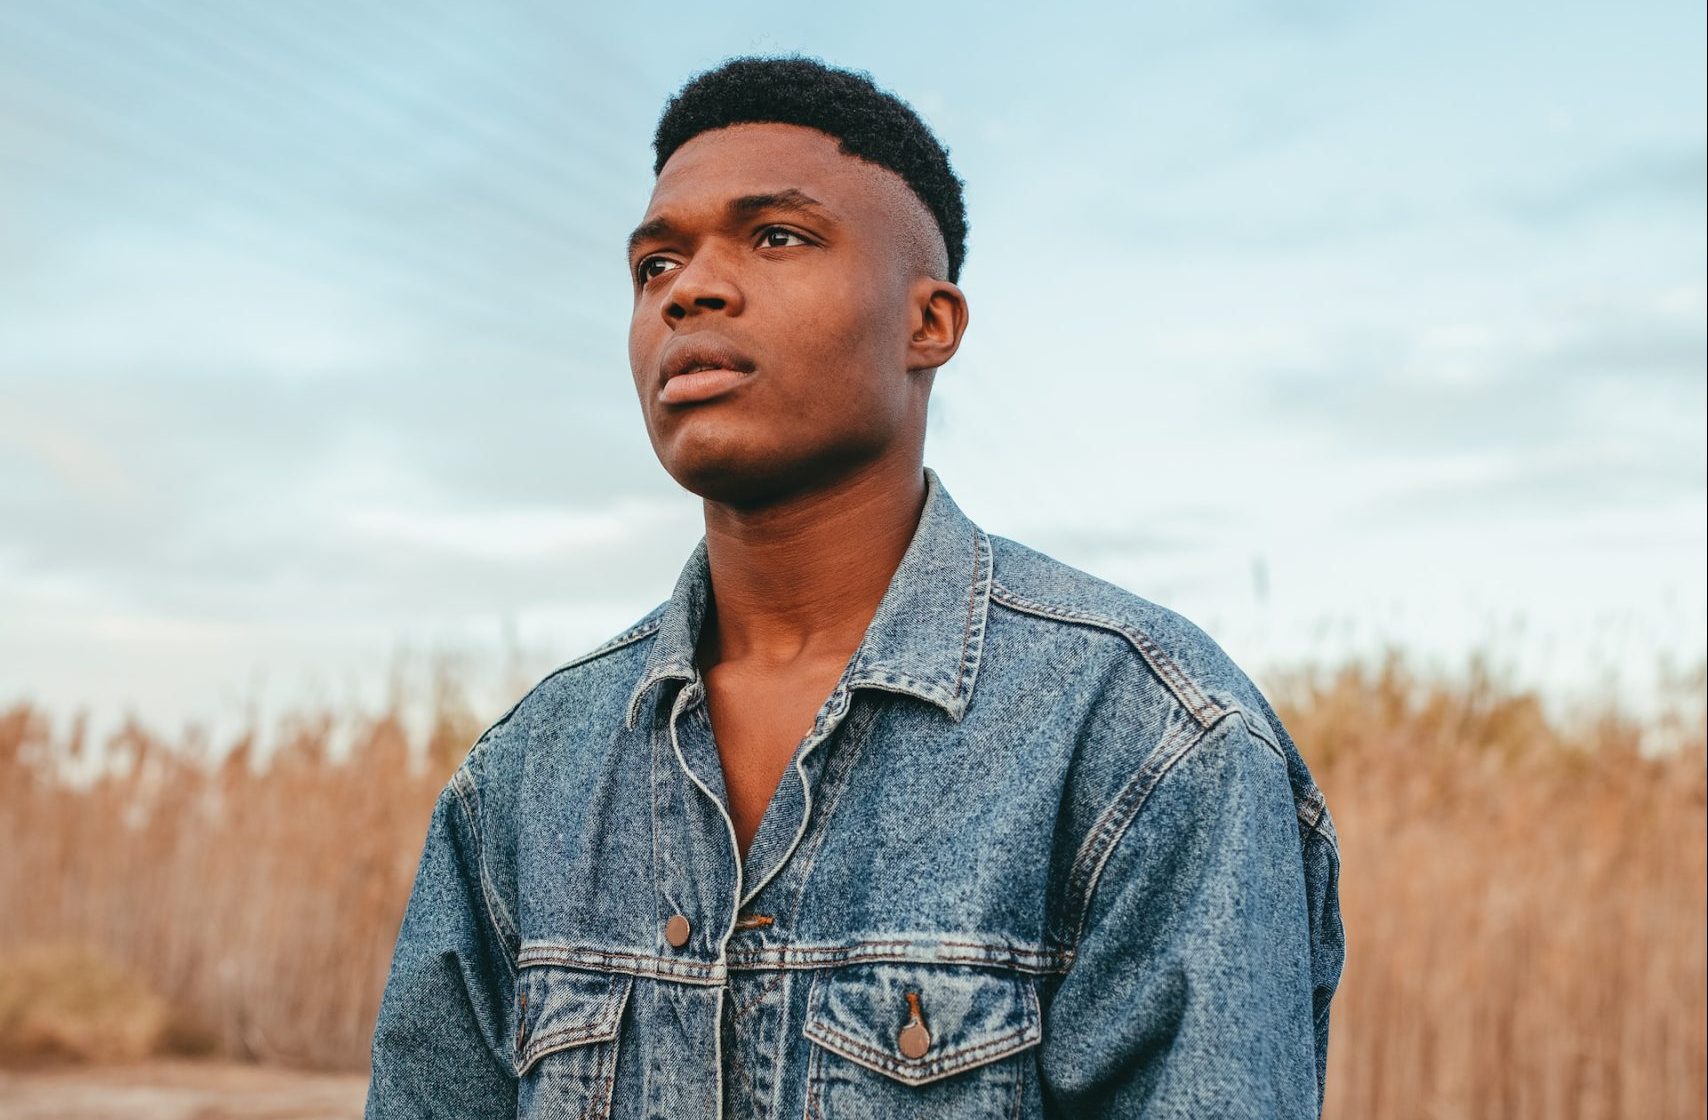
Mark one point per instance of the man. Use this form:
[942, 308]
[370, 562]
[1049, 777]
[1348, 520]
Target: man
[879, 815]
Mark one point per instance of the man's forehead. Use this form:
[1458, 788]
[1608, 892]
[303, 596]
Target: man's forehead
[709, 177]
[743, 160]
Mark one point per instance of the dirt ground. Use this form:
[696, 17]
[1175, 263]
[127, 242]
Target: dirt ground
[179, 1090]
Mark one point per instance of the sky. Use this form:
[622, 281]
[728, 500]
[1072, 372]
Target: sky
[1334, 327]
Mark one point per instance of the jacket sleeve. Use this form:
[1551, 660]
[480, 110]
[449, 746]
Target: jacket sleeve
[440, 1046]
[1193, 988]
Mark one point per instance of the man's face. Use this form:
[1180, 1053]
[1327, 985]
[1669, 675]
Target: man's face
[774, 282]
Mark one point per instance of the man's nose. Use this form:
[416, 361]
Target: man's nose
[704, 283]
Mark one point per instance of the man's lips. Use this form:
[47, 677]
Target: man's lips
[700, 385]
[698, 369]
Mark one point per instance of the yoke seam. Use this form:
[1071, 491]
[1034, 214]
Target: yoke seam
[1114, 823]
[1203, 710]
[626, 638]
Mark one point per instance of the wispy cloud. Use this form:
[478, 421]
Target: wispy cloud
[312, 321]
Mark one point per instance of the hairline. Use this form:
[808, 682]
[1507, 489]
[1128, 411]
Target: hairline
[936, 248]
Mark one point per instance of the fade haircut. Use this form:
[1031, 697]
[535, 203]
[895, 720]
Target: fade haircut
[869, 123]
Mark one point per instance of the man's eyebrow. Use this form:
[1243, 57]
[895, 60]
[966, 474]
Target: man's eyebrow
[788, 199]
[649, 231]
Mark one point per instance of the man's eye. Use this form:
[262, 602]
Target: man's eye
[776, 237]
[651, 268]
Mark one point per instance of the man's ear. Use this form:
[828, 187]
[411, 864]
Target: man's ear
[939, 311]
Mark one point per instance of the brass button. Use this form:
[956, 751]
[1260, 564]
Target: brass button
[676, 931]
[914, 1040]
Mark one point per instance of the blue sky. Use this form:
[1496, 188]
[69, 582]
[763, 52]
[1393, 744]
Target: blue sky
[1330, 325]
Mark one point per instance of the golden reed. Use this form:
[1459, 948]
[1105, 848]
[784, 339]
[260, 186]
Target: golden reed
[1524, 897]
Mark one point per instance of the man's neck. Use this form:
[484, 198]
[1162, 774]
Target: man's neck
[803, 578]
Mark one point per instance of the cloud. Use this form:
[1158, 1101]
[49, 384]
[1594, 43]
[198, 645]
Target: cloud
[1671, 176]
[1597, 406]
[1562, 482]
[1507, 386]
[219, 493]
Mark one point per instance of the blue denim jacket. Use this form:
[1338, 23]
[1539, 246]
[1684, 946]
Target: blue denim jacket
[1045, 852]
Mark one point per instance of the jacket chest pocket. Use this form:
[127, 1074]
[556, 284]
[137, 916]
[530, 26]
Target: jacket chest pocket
[894, 1041]
[566, 1040]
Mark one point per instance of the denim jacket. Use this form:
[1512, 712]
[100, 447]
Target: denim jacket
[1046, 851]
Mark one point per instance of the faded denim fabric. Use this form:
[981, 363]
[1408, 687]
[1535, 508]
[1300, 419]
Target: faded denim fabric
[1046, 851]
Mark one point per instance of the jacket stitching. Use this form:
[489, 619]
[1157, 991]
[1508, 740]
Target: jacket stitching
[564, 1038]
[979, 1053]
[967, 627]
[1259, 729]
[736, 1010]
[748, 1083]
[1106, 835]
[676, 709]
[947, 694]
[854, 744]
[604, 1081]
[981, 580]
[628, 637]
[1164, 667]
[639, 964]
[1031, 962]
[781, 1054]
[508, 939]
[861, 952]
[663, 854]
[815, 1081]
[744, 1086]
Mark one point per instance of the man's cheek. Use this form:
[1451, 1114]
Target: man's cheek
[643, 348]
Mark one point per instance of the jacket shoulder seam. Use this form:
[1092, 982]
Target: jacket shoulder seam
[645, 628]
[1114, 822]
[1204, 711]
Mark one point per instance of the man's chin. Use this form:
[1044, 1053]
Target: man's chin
[743, 482]
[746, 477]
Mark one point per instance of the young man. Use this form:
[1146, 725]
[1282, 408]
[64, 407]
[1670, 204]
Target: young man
[879, 815]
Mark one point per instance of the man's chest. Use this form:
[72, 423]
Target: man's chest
[758, 718]
[881, 823]
[885, 938]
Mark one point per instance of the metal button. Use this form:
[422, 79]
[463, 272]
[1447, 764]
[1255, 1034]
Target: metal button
[676, 931]
[914, 1040]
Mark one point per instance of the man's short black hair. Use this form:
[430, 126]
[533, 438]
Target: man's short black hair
[870, 123]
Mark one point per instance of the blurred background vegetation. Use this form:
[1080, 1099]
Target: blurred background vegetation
[1526, 900]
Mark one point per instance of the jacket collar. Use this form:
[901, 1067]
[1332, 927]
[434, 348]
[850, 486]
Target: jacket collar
[924, 640]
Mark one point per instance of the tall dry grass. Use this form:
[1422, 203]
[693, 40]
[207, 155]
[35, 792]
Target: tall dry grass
[1524, 897]
[261, 899]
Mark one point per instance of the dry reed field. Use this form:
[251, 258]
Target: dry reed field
[1524, 898]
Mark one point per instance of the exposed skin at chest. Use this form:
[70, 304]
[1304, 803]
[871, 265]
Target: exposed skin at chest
[759, 715]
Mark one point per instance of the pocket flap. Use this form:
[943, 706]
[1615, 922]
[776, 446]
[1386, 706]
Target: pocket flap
[959, 1017]
[559, 1007]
